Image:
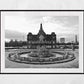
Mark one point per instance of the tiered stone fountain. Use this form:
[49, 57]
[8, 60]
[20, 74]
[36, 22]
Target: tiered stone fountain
[41, 56]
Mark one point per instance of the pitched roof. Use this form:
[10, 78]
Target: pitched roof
[41, 31]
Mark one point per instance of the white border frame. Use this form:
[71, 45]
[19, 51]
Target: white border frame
[45, 70]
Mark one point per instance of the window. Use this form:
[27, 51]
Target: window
[53, 41]
[29, 41]
[53, 46]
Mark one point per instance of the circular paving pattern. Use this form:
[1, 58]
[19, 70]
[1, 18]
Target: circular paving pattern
[42, 57]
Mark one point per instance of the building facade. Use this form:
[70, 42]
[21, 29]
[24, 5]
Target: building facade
[62, 40]
[76, 39]
[41, 39]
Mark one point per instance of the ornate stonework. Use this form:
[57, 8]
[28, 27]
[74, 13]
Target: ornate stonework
[41, 39]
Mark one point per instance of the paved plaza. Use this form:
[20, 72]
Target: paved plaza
[71, 64]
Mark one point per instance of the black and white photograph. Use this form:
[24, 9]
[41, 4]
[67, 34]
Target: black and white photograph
[42, 42]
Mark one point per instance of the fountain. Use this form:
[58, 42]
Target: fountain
[41, 52]
[41, 56]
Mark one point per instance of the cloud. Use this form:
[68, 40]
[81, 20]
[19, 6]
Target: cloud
[9, 34]
[25, 22]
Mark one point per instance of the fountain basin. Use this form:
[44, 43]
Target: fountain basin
[35, 58]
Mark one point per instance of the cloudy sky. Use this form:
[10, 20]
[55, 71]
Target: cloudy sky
[19, 24]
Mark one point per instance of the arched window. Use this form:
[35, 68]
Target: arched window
[53, 41]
